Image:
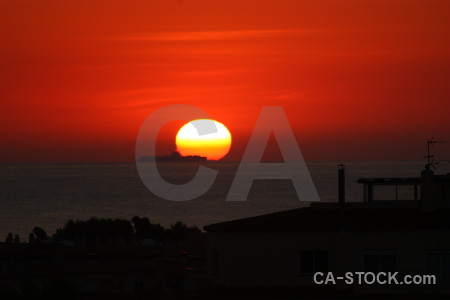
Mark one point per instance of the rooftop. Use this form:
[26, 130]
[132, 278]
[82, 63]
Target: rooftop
[358, 216]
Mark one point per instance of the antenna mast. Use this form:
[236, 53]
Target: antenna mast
[429, 156]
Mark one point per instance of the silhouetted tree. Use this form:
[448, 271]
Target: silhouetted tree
[179, 229]
[145, 229]
[16, 238]
[95, 228]
[31, 238]
[40, 233]
[102, 229]
[9, 238]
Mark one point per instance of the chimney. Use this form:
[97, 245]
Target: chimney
[341, 194]
[341, 185]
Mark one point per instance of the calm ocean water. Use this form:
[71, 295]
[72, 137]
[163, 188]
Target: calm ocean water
[49, 195]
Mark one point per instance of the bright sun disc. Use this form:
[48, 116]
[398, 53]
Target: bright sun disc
[214, 145]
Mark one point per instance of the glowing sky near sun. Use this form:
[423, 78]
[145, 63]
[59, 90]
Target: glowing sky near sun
[358, 79]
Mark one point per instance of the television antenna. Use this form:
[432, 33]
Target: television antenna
[430, 157]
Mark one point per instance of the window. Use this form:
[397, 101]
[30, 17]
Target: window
[438, 263]
[312, 261]
[380, 262]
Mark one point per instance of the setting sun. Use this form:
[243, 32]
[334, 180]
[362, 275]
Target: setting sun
[204, 138]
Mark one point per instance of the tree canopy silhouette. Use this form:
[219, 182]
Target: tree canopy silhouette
[40, 233]
[145, 229]
[107, 228]
[115, 228]
[179, 229]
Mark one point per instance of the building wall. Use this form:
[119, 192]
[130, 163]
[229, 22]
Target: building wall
[265, 259]
[262, 259]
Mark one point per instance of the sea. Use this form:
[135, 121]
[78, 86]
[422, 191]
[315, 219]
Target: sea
[48, 195]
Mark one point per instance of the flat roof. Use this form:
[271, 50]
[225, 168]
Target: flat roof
[391, 180]
[364, 217]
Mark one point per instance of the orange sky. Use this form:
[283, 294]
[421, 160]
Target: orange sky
[358, 79]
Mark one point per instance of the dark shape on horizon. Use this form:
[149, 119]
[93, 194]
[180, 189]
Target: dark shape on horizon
[179, 229]
[40, 233]
[9, 238]
[108, 231]
[31, 238]
[145, 229]
[175, 156]
[94, 230]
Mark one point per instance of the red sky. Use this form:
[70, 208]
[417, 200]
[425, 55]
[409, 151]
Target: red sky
[358, 79]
